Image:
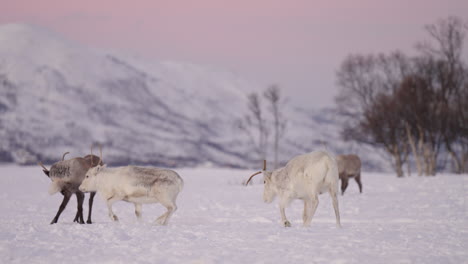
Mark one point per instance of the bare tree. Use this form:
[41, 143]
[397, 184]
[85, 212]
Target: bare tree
[368, 84]
[273, 96]
[416, 98]
[418, 103]
[385, 127]
[448, 78]
[462, 113]
[254, 125]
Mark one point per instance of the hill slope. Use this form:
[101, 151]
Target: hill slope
[58, 96]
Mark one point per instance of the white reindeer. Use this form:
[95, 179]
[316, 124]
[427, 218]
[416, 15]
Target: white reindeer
[304, 177]
[136, 185]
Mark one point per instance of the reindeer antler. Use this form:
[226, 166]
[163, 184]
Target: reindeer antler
[92, 158]
[258, 172]
[247, 183]
[100, 154]
[64, 154]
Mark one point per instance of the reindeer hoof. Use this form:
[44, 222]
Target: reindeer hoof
[89, 222]
[114, 218]
[287, 224]
[160, 222]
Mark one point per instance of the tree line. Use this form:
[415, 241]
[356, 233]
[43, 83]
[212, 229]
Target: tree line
[415, 108]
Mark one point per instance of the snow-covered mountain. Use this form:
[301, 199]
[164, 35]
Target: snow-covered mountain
[57, 95]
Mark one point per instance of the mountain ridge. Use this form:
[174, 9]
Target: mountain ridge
[60, 96]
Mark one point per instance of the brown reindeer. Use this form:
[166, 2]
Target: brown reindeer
[349, 166]
[66, 177]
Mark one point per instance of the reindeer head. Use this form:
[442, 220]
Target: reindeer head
[89, 184]
[269, 191]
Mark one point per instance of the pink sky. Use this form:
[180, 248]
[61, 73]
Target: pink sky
[298, 44]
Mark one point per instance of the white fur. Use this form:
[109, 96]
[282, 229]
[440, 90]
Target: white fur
[124, 184]
[304, 177]
[55, 186]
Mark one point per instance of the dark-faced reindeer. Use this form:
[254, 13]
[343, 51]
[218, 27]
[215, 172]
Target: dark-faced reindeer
[137, 185]
[304, 177]
[66, 177]
[349, 166]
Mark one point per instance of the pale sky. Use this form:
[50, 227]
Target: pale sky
[297, 44]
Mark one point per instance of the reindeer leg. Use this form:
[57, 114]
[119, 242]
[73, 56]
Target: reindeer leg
[344, 184]
[304, 215]
[334, 197]
[358, 180]
[110, 202]
[307, 212]
[91, 199]
[312, 206]
[138, 210]
[79, 215]
[66, 198]
[171, 208]
[283, 214]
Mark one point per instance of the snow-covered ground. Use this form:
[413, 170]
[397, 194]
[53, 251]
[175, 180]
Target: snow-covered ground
[410, 220]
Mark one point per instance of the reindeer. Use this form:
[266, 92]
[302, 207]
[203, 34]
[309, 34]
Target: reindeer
[66, 176]
[304, 177]
[136, 185]
[349, 166]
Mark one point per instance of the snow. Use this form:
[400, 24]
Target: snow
[409, 220]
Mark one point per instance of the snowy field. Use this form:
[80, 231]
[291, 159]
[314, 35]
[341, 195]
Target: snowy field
[410, 220]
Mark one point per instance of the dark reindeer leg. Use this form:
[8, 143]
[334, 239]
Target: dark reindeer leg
[344, 184]
[79, 214]
[66, 198]
[358, 180]
[91, 199]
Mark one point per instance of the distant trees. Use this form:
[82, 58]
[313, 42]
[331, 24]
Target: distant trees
[368, 84]
[411, 105]
[258, 126]
[254, 125]
[450, 82]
